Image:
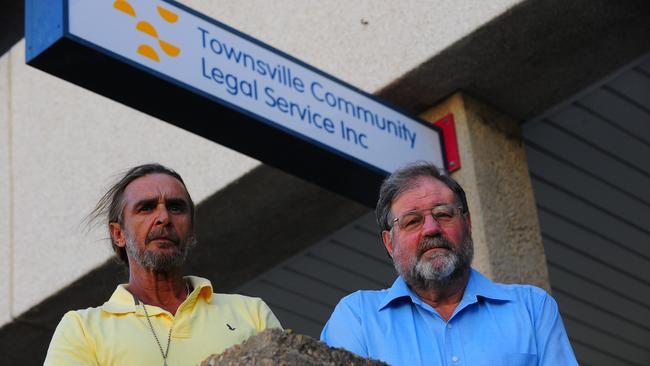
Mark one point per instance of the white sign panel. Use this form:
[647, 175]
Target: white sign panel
[212, 59]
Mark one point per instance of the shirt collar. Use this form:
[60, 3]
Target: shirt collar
[477, 286]
[122, 301]
[481, 286]
[398, 290]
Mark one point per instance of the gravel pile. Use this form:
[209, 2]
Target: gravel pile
[285, 348]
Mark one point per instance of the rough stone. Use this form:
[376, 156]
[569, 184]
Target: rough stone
[277, 347]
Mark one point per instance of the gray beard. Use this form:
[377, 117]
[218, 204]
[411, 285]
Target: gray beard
[440, 270]
[159, 262]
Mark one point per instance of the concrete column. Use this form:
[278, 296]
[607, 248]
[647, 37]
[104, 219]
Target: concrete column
[494, 173]
[6, 214]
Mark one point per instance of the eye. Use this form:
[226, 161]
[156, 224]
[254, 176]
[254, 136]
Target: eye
[410, 221]
[443, 213]
[146, 208]
[176, 207]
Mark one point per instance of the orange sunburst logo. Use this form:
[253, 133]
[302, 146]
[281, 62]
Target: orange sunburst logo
[147, 28]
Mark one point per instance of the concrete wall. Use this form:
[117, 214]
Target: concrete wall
[366, 43]
[60, 145]
[6, 241]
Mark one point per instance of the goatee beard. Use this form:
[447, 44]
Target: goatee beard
[160, 262]
[437, 270]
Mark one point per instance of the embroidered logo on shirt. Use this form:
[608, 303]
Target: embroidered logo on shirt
[229, 327]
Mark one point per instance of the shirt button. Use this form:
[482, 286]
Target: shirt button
[448, 326]
[454, 359]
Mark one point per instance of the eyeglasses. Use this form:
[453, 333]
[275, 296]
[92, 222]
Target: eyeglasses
[413, 220]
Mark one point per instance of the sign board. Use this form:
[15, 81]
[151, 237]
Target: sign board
[169, 61]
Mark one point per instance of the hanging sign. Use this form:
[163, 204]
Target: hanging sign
[190, 70]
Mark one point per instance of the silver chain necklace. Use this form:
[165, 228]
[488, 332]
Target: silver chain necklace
[169, 336]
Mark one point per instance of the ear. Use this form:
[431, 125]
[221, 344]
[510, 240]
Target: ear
[388, 242]
[117, 234]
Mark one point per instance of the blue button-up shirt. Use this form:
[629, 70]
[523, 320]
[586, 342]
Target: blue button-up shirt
[494, 324]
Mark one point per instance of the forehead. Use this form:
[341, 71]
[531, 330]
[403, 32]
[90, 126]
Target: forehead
[424, 192]
[154, 185]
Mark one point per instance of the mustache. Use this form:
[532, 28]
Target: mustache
[166, 233]
[433, 243]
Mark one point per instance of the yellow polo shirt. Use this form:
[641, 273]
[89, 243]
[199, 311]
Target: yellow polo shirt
[117, 333]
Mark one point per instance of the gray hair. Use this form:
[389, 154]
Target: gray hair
[112, 203]
[404, 179]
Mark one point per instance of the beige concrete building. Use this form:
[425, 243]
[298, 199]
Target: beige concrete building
[552, 107]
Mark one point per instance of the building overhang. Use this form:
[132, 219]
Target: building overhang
[532, 57]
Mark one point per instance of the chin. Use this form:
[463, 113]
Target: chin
[437, 268]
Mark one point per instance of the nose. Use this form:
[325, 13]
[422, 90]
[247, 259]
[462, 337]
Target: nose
[430, 227]
[162, 216]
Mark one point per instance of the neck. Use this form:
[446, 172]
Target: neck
[445, 299]
[166, 290]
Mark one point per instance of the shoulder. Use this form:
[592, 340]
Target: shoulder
[364, 298]
[529, 299]
[77, 326]
[253, 309]
[354, 318]
[71, 318]
[236, 300]
[483, 286]
[222, 299]
[242, 304]
[83, 321]
[525, 293]
[81, 315]
[72, 342]
[359, 304]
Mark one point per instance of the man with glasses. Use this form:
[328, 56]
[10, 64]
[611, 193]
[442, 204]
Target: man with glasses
[440, 310]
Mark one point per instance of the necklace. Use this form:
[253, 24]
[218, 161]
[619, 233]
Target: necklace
[169, 336]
